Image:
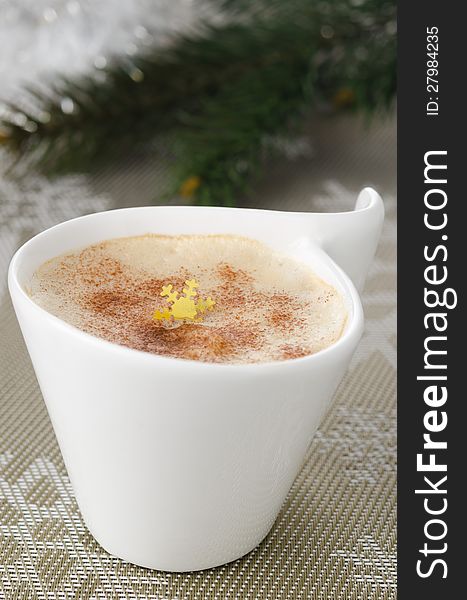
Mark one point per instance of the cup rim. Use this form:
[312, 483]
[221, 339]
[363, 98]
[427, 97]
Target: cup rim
[351, 334]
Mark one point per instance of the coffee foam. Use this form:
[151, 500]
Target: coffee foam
[268, 306]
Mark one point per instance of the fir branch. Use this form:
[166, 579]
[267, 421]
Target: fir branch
[216, 95]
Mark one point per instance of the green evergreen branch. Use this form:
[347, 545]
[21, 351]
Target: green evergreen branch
[216, 96]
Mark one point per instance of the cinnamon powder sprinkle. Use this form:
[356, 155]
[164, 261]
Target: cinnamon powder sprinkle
[109, 292]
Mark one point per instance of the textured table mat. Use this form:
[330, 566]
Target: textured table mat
[335, 537]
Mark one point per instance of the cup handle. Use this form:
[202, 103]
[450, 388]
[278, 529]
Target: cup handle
[351, 238]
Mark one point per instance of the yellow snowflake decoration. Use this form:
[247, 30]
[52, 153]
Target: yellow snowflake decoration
[183, 307]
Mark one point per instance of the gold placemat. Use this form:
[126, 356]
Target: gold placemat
[335, 537]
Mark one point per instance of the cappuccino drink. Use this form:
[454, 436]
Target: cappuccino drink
[266, 306]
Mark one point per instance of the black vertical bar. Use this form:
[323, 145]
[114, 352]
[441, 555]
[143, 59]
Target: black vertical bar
[419, 132]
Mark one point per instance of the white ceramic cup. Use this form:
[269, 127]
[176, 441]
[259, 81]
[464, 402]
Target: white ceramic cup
[181, 465]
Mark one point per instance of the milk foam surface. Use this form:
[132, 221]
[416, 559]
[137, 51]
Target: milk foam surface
[269, 307]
